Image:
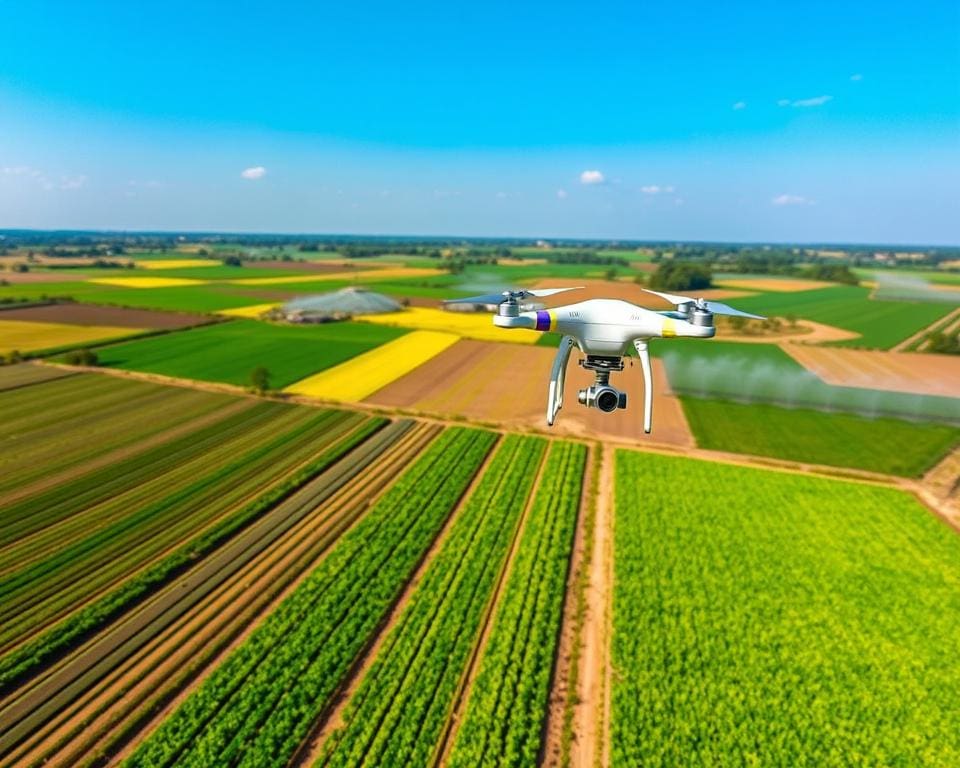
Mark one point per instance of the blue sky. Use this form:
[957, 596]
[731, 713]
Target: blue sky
[813, 121]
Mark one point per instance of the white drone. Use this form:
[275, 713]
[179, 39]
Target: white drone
[603, 329]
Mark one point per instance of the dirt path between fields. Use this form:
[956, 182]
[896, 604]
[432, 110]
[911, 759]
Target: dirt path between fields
[592, 713]
[945, 321]
[458, 709]
[566, 691]
[333, 719]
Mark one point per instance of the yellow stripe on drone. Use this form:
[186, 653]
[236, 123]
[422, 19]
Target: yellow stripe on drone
[669, 328]
[553, 321]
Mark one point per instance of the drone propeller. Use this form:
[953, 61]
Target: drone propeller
[499, 298]
[717, 307]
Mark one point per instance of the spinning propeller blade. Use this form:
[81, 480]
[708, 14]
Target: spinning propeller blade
[717, 307]
[499, 298]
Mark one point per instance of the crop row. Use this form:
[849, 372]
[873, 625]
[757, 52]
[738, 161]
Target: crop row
[25, 374]
[765, 618]
[507, 705]
[329, 439]
[257, 707]
[398, 712]
[127, 531]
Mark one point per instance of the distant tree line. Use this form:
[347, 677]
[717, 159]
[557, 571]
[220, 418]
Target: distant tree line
[681, 276]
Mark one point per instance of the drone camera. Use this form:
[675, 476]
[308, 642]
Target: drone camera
[605, 398]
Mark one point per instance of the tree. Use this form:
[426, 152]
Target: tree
[233, 261]
[260, 379]
[85, 357]
[610, 274]
[681, 276]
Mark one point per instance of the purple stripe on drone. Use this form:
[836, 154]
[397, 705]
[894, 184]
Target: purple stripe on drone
[543, 320]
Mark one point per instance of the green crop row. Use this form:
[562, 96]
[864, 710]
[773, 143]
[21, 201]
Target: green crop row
[32, 657]
[257, 707]
[58, 426]
[507, 705]
[397, 715]
[766, 618]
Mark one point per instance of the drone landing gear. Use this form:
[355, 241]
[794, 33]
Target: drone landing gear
[557, 377]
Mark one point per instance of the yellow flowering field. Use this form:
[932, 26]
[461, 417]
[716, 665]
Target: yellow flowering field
[176, 263]
[146, 282]
[468, 325]
[26, 336]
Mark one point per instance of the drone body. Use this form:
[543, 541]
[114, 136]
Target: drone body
[604, 330]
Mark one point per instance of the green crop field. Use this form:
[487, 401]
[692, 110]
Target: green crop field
[507, 703]
[229, 351]
[107, 506]
[836, 439]
[259, 704]
[201, 298]
[762, 618]
[397, 715]
[881, 324]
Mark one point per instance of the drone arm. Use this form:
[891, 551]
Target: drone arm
[644, 353]
[557, 377]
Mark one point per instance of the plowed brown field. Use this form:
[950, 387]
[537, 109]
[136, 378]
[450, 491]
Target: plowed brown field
[914, 372]
[627, 291]
[507, 383]
[117, 317]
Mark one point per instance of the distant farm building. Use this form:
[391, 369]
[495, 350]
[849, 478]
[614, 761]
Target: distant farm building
[337, 305]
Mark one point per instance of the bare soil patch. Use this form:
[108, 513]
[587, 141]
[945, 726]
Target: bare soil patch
[913, 372]
[27, 278]
[507, 384]
[89, 314]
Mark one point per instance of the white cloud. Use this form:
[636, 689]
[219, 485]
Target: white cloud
[562, 194]
[45, 181]
[72, 182]
[816, 101]
[592, 177]
[650, 189]
[257, 172]
[786, 199]
[857, 77]
[668, 190]
[740, 105]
